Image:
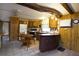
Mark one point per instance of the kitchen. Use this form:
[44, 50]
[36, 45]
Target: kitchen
[41, 30]
[45, 26]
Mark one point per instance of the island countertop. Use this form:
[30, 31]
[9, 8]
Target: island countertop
[48, 34]
[48, 41]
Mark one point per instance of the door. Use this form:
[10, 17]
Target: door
[23, 29]
[14, 28]
[1, 24]
[75, 37]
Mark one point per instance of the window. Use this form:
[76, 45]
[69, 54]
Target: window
[23, 28]
[65, 23]
[45, 25]
[6, 28]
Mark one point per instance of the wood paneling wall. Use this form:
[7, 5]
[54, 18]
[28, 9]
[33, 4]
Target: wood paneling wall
[14, 28]
[70, 36]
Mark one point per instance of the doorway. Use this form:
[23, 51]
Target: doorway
[5, 30]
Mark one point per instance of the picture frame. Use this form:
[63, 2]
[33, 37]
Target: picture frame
[67, 23]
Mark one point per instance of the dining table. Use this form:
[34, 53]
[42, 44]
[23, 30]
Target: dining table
[26, 39]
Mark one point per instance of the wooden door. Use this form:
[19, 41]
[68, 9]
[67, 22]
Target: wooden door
[1, 32]
[70, 37]
[75, 37]
[1, 24]
[65, 37]
[14, 28]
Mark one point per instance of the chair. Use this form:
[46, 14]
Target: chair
[26, 40]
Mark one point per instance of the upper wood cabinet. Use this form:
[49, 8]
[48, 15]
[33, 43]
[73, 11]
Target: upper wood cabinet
[37, 23]
[24, 21]
[34, 23]
[53, 23]
[29, 24]
[14, 27]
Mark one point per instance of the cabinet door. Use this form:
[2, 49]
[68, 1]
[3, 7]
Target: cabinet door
[36, 23]
[14, 28]
[30, 24]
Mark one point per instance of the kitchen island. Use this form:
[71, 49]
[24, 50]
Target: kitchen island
[48, 42]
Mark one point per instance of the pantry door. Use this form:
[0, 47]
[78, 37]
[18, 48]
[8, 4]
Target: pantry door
[75, 37]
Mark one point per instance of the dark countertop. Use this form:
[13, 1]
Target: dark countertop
[48, 41]
[49, 34]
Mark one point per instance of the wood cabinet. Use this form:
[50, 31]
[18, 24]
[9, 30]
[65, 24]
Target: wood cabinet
[48, 42]
[14, 27]
[30, 24]
[34, 23]
[24, 21]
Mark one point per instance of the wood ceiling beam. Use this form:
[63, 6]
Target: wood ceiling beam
[41, 8]
[66, 6]
[71, 16]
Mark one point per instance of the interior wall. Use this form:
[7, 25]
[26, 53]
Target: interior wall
[6, 10]
[13, 9]
[70, 36]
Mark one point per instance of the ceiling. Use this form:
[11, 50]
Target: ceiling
[74, 6]
[63, 8]
[56, 6]
[52, 8]
[7, 10]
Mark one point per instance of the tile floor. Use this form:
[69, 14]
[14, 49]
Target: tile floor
[14, 48]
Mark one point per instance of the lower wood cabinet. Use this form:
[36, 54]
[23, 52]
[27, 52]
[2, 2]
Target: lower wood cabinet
[48, 42]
